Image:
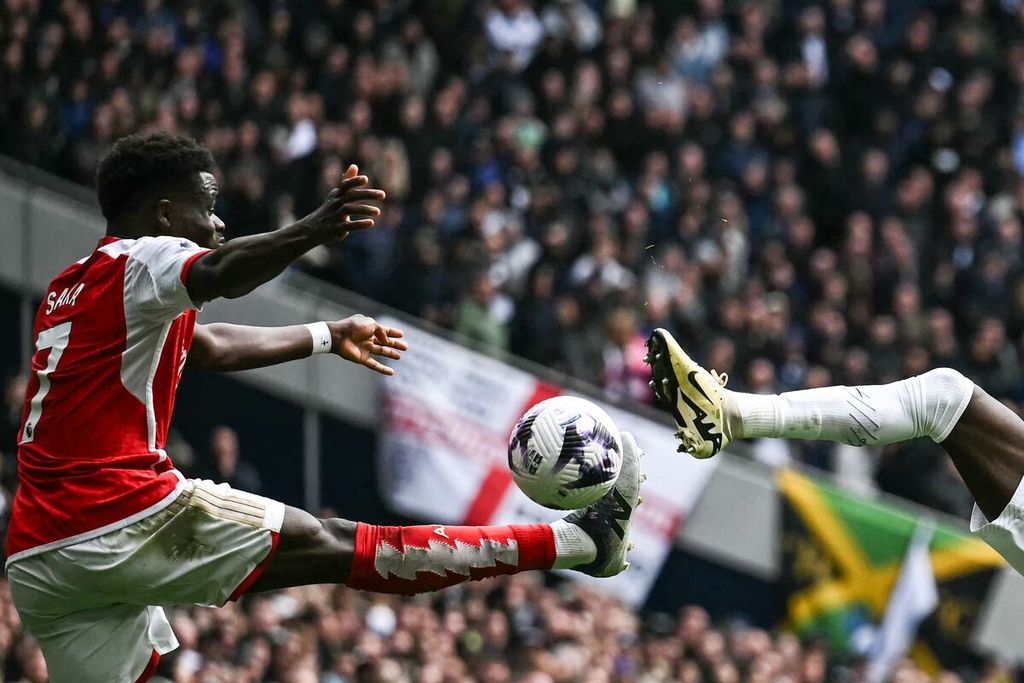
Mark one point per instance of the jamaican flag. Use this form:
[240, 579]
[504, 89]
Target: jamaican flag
[840, 558]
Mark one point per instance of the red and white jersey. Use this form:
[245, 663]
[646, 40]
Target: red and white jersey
[112, 335]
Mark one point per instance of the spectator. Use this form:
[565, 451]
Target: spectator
[483, 315]
[10, 419]
[625, 374]
[227, 464]
[514, 31]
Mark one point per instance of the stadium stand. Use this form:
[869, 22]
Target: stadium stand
[806, 194]
[492, 632]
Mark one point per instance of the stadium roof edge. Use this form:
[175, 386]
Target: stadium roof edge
[36, 176]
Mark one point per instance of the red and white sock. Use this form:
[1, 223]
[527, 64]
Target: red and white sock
[414, 559]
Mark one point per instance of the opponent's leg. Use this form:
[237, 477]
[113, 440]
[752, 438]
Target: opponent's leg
[983, 437]
[413, 559]
[927, 405]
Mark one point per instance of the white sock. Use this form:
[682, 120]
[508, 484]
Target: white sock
[573, 546]
[927, 405]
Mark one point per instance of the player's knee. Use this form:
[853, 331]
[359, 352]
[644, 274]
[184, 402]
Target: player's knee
[303, 530]
[946, 395]
[947, 383]
[336, 535]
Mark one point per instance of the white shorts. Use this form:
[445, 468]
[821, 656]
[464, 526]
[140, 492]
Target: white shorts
[1006, 532]
[94, 607]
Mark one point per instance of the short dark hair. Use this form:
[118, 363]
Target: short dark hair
[142, 166]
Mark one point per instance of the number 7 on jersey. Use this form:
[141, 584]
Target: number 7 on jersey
[56, 339]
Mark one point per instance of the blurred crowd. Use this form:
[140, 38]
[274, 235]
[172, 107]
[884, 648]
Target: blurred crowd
[495, 631]
[804, 192]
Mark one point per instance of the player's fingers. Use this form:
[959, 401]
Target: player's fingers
[361, 224]
[360, 209]
[364, 194]
[347, 184]
[377, 366]
[391, 338]
[385, 352]
[353, 181]
[380, 334]
[352, 171]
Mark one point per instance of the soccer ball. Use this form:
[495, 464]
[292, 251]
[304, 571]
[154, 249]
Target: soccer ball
[565, 453]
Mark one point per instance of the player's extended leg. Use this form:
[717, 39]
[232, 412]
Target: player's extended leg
[983, 437]
[413, 559]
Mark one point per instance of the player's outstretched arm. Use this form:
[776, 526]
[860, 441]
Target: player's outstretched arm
[224, 347]
[245, 263]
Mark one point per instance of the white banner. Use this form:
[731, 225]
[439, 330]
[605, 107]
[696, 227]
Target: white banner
[448, 413]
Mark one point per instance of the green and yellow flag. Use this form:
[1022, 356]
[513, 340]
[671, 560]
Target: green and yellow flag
[841, 555]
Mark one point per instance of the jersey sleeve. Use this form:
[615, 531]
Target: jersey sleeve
[155, 275]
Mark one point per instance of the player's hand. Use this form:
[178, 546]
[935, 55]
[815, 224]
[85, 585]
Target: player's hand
[346, 207]
[362, 340]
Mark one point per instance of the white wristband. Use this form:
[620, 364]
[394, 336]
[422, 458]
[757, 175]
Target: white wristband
[321, 334]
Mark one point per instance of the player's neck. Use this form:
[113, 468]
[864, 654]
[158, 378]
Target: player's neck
[129, 229]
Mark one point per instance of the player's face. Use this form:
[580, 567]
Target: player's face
[192, 216]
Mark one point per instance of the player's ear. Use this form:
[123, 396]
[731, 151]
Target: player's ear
[163, 214]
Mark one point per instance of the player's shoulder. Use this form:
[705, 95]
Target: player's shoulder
[159, 248]
[161, 242]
